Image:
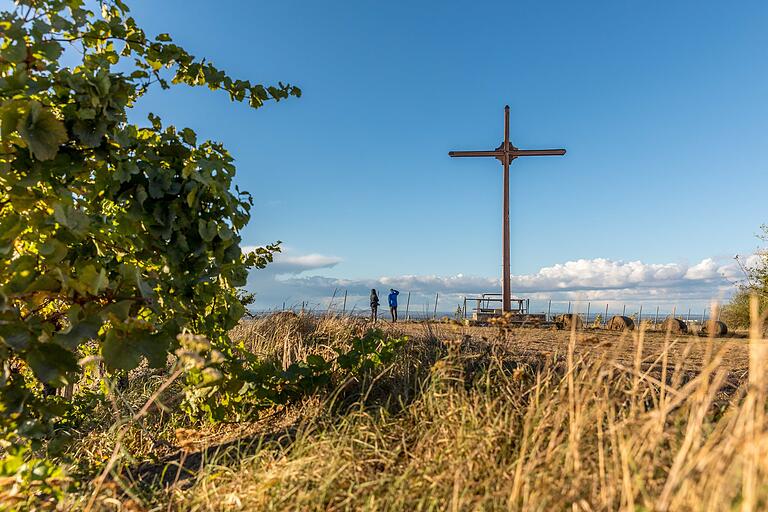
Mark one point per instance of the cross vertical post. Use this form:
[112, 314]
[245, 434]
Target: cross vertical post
[505, 153]
[506, 284]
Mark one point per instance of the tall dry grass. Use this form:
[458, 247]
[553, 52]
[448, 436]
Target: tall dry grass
[457, 424]
[470, 424]
[287, 336]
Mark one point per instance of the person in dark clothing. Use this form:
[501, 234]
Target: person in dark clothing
[374, 306]
[393, 303]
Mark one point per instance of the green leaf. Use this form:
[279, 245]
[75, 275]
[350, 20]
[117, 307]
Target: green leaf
[207, 230]
[15, 52]
[71, 218]
[315, 360]
[42, 132]
[90, 133]
[86, 113]
[191, 197]
[155, 349]
[10, 227]
[124, 351]
[224, 232]
[79, 333]
[121, 310]
[52, 50]
[346, 361]
[125, 170]
[15, 336]
[10, 114]
[120, 352]
[189, 136]
[317, 363]
[94, 280]
[53, 250]
[22, 273]
[44, 283]
[50, 363]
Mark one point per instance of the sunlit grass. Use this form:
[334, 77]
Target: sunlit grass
[459, 423]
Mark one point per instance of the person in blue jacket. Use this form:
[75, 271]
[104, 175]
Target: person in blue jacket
[393, 303]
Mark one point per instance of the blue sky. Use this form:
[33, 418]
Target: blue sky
[661, 106]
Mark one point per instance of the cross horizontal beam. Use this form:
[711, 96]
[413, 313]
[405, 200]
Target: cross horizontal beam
[514, 153]
[537, 152]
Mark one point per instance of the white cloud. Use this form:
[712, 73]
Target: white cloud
[598, 274]
[584, 279]
[287, 262]
[707, 269]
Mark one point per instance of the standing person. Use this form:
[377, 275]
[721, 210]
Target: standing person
[393, 303]
[374, 305]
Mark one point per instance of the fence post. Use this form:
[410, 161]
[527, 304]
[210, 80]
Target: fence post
[330, 304]
[549, 309]
[656, 320]
[407, 304]
[605, 320]
[465, 308]
[434, 315]
[624, 310]
[344, 308]
[569, 307]
[586, 318]
[640, 317]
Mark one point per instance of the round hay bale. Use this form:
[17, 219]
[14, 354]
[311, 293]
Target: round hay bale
[567, 321]
[717, 328]
[674, 326]
[620, 323]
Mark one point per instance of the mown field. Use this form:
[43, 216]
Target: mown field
[463, 419]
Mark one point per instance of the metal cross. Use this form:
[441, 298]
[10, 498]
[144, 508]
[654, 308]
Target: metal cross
[505, 154]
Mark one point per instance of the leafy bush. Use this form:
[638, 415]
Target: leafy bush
[120, 243]
[242, 385]
[33, 483]
[736, 312]
[111, 233]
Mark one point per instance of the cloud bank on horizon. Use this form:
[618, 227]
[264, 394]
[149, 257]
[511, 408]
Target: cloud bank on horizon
[293, 279]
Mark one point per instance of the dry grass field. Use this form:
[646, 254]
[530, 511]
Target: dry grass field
[690, 350]
[468, 419]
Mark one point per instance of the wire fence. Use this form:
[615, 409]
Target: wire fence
[419, 307]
